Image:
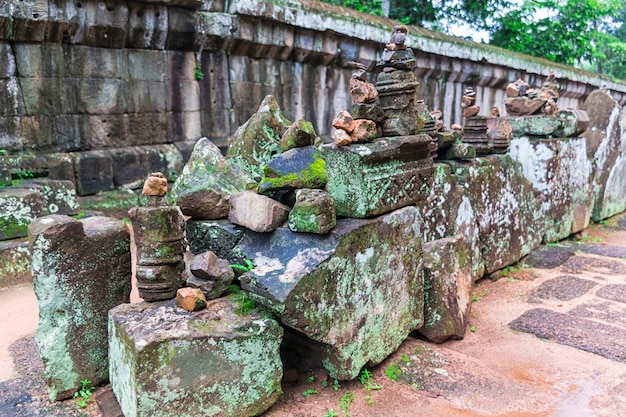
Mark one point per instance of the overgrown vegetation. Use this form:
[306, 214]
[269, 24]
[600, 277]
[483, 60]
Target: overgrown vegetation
[83, 395]
[243, 303]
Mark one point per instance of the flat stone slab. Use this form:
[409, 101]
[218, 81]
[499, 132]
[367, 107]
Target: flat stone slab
[604, 250]
[578, 264]
[605, 311]
[563, 288]
[565, 329]
[549, 257]
[615, 292]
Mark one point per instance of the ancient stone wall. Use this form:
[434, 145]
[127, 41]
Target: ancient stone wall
[103, 92]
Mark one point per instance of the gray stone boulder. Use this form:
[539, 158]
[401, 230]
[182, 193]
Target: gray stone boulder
[81, 269]
[257, 141]
[218, 236]
[210, 274]
[295, 168]
[300, 134]
[560, 174]
[357, 291]
[257, 212]
[165, 361]
[207, 181]
[313, 212]
[606, 147]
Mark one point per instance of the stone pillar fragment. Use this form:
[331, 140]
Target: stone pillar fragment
[159, 234]
[81, 269]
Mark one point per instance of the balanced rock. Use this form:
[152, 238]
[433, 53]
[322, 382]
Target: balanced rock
[364, 131]
[298, 135]
[257, 212]
[314, 212]
[344, 121]
[190, 299]
[165, 361]
[81, 269]
[257, 141]
[210, 274]
[207, 181]
[362, 91]
[342, 138]
[357, 290]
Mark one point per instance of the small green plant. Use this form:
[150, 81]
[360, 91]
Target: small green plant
[243, 268]
[308, 392]
[479, 295]
[405, 358]
[473, 329]
[331, 413]
[336, 385]
[85, 392]
[366, 380]
[368, 400]
[3, 152]
[324, 383]
[344, 402]
[311, 379]
[197, 73]
[393, 372]
[243, 304]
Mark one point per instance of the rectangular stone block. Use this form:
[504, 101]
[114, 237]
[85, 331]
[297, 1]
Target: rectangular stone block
[106, 130]
[132, 165]
[374, 178]
[148, 128]
[47, 96]
[81, 270]
[36, 133]
[29, 21]
[182, 33]
[147, 26]
[59, 196]
[184, 126]
[146, 96]
[7, 61]
[60, 167]
[107, 24]
[18, 207]
[89, 62]
[165, 361]
[12, 99]
[183, 95]
[146, 65]
[101, 96]
[69, 130]
[180, 65]
[65, 21]
[93, 172]
[14, 263]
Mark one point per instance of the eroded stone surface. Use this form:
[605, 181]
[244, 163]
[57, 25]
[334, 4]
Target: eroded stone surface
[166, 361]
[562, 288]
[218, 236]
[357, 291]
[81, 269]
[296, 168]
[207, 181]
[313, 212]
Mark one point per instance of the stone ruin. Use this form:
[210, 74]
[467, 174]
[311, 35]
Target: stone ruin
[288, 252]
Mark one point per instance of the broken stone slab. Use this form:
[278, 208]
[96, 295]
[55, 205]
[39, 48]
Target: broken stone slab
[375, 178]
[460, 151]
[257, 141]
[499, 192]
[165, 361]
[207, 181]
[523, 106]
[300, 134]
[257, 212]
[210, 274]
[606, 146]
[190, 299]
[218, 236]
[15, 263]
[59, 196]
[561, 177]
[296, 168]
[565, 123]
[81, 269]
[448, 283]
[159, 234]
[356, 291]
[313, 212]
[18, 207]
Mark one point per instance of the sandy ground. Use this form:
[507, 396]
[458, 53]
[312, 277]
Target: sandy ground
[493, 371]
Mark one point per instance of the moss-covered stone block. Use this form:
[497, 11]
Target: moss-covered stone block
[207, 181]
[257, 141]
[560, 174]
[357, 291]
[375, 178]
[448, 282]
[313, 212]
[299, 134]
[81, 269]
[18, 207]
[166, 361]
[217, 236]
[295, 168]
[14, 263]
[505, 208]
[59, 196]
[563, 124]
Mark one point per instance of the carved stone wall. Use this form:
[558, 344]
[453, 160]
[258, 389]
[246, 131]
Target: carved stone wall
[112, 89]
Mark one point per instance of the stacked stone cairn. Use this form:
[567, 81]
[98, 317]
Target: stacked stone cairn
[475, 126]
[522, 100]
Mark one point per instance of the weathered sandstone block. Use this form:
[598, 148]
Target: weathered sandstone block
[257, 212]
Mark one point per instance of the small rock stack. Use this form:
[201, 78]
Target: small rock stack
[475, 128]
[522, 100]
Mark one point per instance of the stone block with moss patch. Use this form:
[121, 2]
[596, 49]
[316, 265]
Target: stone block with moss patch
[505, 209]
[14, 263]
[257, 141]
[560, 174]
[356, 292]
[166, 361]
[375, 178]
[313, 212]
[18, 207]
[298, 135]
[217, 236]
[207, 181]
[295, 168]
[448, 282]
[81, 269]
[59, 196]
